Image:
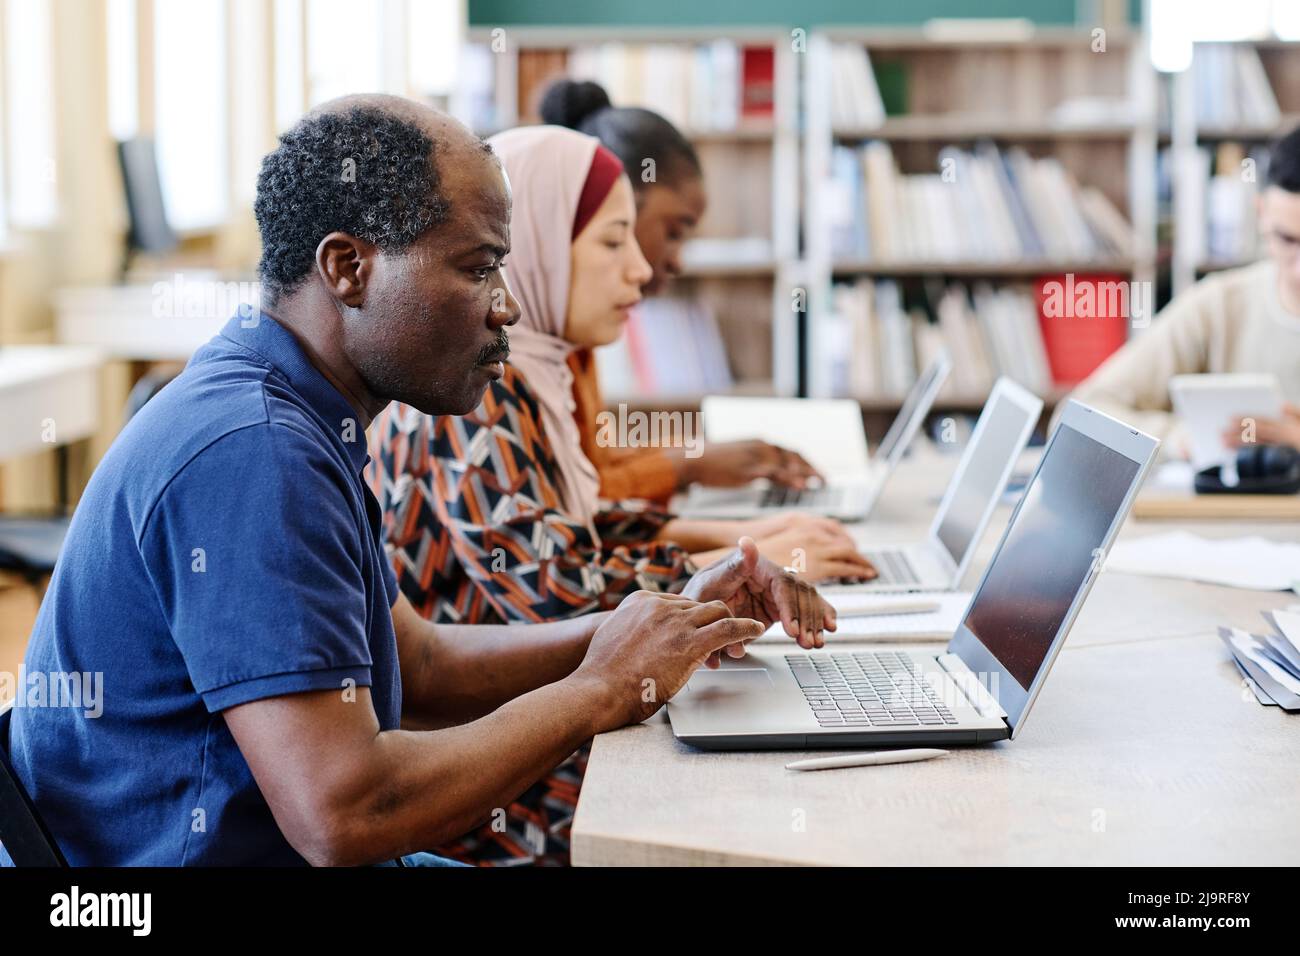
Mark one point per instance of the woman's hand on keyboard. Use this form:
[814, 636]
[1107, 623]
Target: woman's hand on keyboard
[817, 551]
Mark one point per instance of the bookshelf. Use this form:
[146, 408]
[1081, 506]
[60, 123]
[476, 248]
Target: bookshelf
[743, 262]
[1236, 98]
[921, 106]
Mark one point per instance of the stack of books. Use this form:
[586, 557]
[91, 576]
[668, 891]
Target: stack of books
[1231, 87]
[707, 87]
[856, 102]
[871, 344]
[984, 205]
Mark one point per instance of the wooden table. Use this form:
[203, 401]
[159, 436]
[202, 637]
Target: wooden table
[1143, 748]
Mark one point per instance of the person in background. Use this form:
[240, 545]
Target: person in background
[496, 516]
[668, 209]
[1240, 320]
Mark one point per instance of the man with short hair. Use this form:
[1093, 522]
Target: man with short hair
[268, 696]
[1238, 320]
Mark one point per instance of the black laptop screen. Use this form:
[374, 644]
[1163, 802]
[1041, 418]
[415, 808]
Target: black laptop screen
[1048, 551]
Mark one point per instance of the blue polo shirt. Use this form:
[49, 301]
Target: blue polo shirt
[226, 550]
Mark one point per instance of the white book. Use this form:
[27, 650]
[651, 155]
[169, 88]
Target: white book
[1258, 102]
[1039, 369]
[1002, 229]
[726, 84]
[1061, 186]
[855, 97]
[665, 85]
[1106, 221]
[881, 191]
[865, 366]
[1047, 223]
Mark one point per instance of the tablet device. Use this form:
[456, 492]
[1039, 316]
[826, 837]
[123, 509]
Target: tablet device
[1209, 404]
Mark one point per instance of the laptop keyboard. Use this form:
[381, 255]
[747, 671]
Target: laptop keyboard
[893, 567]
[868, 689]
[779, 496]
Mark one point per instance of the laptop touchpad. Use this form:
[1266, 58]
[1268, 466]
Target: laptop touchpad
[727, 681]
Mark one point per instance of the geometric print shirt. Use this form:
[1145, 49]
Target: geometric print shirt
[472, 523]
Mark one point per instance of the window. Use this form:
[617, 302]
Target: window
[1177, 24]
[190, 123]
[28, 121]
[123, 69]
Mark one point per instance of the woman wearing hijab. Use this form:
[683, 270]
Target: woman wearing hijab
[669, 206]
[497, 516]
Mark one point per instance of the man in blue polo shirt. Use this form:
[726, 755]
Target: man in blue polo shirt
[268, 696]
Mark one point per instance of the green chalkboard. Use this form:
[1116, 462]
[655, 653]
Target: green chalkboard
[693, 13]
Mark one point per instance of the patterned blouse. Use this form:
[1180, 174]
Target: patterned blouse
[473, 525]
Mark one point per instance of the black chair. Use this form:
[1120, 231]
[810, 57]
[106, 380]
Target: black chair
[22, 831]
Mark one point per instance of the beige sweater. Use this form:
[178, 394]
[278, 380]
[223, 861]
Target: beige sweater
[1232, 321]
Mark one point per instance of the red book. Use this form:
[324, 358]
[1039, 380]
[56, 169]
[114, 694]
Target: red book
[757, 82]
[1084, 319]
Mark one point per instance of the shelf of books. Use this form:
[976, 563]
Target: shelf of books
[725, 325]
[995, 197]
[1218, 119]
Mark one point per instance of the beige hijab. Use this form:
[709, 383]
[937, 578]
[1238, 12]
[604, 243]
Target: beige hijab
[547, 167]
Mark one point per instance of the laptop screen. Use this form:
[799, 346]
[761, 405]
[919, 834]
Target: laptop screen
[984, 464]
[1047, 552]
[900, 430]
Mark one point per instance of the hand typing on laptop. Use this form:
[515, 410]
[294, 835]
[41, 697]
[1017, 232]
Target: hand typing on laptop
[818, 546]
[734, 463]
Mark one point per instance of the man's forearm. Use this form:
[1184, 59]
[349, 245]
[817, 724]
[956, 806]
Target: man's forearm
[452, 673]
[416, 790]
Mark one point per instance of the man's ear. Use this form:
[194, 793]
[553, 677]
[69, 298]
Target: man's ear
[345, 264]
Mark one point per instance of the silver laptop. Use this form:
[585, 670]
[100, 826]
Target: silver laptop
[938, 562]
[828, 433]
[979, 689]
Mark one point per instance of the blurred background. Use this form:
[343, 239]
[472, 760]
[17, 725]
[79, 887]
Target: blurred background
[131, 133]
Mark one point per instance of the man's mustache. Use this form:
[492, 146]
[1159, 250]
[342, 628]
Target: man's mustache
[497, 351]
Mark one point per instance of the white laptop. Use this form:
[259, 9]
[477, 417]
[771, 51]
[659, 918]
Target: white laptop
[828, 433]
[982, 686]
[938, 562]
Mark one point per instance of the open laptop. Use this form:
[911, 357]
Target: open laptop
[982, 687]
[938, 562]
[828, 433]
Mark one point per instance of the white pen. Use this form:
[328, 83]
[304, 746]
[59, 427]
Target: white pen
[866, 759]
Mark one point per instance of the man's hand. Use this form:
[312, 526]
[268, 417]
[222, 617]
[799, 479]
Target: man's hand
[648, 648]
[730, 464]
[752, 586]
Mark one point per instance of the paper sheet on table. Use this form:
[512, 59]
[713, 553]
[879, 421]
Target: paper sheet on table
[1254, 563]
[930, 626]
